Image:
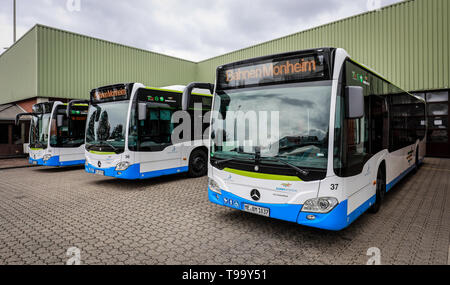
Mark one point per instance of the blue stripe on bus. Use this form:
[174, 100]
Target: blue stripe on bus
[55, 161]
[72, 162]
[133, 172]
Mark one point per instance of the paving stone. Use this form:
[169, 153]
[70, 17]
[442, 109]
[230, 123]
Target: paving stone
[169, 220]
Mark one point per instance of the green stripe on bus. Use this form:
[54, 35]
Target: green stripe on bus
[176, 91]
[36, 148]
[262, 175]
[77, 105]
[102, 153]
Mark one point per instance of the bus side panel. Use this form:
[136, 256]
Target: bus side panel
[169, 158]
[72, 156]
[360, 189]
[398, 164]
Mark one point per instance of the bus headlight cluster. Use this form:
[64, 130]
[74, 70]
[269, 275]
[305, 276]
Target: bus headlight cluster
[214, 186]
[321, 205]
[47, 157]
[121, 166]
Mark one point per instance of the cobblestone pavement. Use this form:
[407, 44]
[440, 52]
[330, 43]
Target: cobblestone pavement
[169, 220]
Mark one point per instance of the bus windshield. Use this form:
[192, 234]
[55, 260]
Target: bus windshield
[299, 138]
[39, 131]
[106, 127]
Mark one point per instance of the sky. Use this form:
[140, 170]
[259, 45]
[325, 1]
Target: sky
[190, 29]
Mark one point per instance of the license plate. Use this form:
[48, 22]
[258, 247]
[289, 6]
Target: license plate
[34, 162]
[99, 172]
[257, 210]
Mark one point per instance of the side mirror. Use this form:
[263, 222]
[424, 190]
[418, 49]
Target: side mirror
[59, 120]
[142, 111]
[354, 102]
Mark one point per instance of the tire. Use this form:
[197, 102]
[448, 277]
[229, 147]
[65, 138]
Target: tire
[381, 191]
[198, 163]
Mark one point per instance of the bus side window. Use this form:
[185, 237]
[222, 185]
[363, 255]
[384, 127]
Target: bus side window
[357, 143]
[379, 124]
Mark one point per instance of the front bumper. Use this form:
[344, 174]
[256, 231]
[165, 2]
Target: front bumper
[134, 172]
[335, 220]
[39, 161]
[55, 161]
[131, 173]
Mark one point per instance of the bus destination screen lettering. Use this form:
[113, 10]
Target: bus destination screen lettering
[273, 71]
[110, 94]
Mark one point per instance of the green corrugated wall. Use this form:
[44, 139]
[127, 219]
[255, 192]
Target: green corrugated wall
[18, 70]
[407, 42]
[70, 65]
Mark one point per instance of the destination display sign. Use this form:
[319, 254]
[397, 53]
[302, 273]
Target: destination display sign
[166, 97]
[293, 68]
[110, 93]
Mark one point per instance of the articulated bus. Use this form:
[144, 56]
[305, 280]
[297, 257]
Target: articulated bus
[56, 137]
[129, 132]
[338, 137]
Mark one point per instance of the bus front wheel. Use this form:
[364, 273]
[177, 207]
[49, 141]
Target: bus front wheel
[198, 163]
[381, 190]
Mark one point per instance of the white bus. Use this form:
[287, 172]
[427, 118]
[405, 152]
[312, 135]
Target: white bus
[343, 137]
[129, 132]
[56, 138]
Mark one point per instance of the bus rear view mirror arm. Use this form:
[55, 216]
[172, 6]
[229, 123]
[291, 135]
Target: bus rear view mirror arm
[188, 90]
[354, 102]
[18, 116]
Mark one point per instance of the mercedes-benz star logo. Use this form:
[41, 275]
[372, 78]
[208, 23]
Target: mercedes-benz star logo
[255, 195]
[99, 164]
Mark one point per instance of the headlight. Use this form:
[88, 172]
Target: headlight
[214, 186]
[47, 157]
[121, 166]
[320, 205]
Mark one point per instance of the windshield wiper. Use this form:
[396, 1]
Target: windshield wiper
[89, 146]
[296, 168]
[219, 162]
[109, 144]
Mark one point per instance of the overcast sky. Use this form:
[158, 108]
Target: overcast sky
[189, 29]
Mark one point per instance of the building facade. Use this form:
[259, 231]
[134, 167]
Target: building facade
[407, 42]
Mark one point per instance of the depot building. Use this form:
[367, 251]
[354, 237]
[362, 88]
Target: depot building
[407, 42]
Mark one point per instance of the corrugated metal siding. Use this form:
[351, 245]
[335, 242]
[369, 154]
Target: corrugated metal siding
[407, 42]
[70, 65]
[18, 70]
